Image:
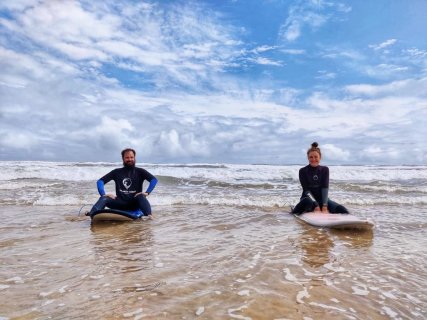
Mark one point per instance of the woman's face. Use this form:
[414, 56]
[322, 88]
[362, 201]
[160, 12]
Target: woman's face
[313, 158]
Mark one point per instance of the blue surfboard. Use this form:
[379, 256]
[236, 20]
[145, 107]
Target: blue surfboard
[116, 215]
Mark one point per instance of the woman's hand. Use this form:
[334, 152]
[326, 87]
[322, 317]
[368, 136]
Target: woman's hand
[317, 209]
[325, 209]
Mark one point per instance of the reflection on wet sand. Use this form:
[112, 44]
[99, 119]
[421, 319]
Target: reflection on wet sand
[354, 238]
[136, 232]
[317, 244]
[129, 245]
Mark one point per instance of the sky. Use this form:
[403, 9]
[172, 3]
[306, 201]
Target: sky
[224, 81]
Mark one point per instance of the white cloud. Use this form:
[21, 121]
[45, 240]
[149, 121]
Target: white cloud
[225, 127]
[182, 145]
[312, 14]
[293, 51]
[323, 74]
[379, 153]
[26, 68]
[171, 43]
[333, 152]
[172, 80]
[417, 53]
[262, 49]
[113, 127]
[18, 140]
[266, 62]
[384, 70]
[341, 53]
[18, 4]
[292, 30]
[402, 88]
[383, 45]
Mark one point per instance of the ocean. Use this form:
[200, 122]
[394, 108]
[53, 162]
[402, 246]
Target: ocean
[221, 245]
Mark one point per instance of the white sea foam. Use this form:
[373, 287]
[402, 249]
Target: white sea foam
[55, 183]
[47, 302]
[45, 294]
[72, 171]
[200, 310]
[324, 306]
[289, 276]
[132, 313]
[389, 295]
[235, 316]
[301, 295]
[15, 280]
[360, 290]
[243, 293]
[389, 312]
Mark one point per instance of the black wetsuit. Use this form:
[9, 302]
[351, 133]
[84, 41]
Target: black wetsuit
[129, 182]
[315, 188]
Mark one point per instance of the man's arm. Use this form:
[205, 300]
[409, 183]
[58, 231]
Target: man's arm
[151, 186]
[100, 186]
[101, 183]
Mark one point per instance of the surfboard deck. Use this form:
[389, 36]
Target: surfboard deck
[335, 220]
[115, 215]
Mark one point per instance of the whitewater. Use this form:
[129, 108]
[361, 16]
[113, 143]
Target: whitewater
[73, 184]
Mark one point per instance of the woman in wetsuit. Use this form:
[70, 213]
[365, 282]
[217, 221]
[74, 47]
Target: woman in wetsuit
[314, 180]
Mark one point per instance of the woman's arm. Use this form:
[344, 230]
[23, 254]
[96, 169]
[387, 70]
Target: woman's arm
[325, 189]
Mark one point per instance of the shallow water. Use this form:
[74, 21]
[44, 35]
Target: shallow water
[198, 261]
[221, 246]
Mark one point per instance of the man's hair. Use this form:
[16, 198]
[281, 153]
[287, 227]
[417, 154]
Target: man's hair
[128, 150]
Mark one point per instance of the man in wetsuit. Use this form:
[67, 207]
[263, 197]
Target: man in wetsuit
[129, 182]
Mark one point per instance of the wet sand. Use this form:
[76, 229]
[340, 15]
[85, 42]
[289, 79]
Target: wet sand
[207, 262]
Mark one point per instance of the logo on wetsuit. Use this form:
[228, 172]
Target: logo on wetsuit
[127, 182]
[315, 177]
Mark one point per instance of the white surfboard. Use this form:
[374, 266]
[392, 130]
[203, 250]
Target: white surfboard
[335, 220]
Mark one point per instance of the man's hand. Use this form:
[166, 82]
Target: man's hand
[143, 193]
[110, 195]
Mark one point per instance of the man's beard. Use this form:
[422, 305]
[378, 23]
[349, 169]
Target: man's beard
[129, 164]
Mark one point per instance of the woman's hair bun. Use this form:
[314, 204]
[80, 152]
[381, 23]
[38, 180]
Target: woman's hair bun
[315, 148]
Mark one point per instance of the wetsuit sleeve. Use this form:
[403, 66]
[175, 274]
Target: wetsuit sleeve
[100, 185]
[325, 192]
[105, 179]
[108, 177]
[303, 181]
[152, 185]
[306, 186]
[145, 175]
[325, 185]
[325, 178]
